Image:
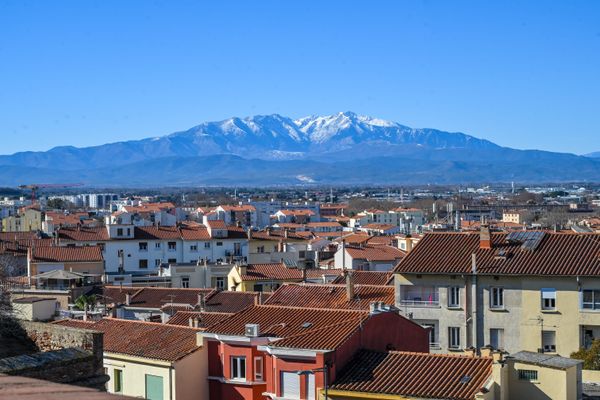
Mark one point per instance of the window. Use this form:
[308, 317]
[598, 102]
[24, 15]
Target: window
[432, 336]
[157, 245]
[549, 341]
[118, 380]
[454, 296]
[237, 249]
[143, 246]
[157, 262]
[497, 338]
[119, 231]
[496, 297]
[219, 243]
[258, 369]
[172, 261]
[194, 247]
[172, 245]
[207, 245]
[591, 300]
[220, 283]
[290, 385]
[128, 231]
[548, 299]
[528, 375]
[143, 263]
[238, 368]
[260, 249]
[154, 387]
[185, 282]
[453, 337]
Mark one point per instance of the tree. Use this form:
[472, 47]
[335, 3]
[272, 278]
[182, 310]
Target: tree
[85, 303]
[590, 357]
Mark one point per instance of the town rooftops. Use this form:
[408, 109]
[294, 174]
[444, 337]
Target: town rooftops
[375, 253]
[84, 234]
[278, 271]
[58, 254]
[232, 302]
[205, 319]
[304, 327]
[544, 360]
[153, 297]
[380, 278]
[556, 254]
[142, 339]
[300, 212]
[330, 296]
[377, 226]
[418, 375]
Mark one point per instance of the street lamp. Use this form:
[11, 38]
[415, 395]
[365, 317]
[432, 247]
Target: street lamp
[325, 371]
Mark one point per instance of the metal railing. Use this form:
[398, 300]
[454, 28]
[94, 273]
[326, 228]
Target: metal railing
[430, 302]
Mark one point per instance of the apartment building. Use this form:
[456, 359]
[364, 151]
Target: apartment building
[129, 249]
[290, 352]
[534, 291]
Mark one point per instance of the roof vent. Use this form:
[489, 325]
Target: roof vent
[465, 379]
[307, 324]
[252, 330]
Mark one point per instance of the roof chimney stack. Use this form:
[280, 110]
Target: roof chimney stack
[485, 237]
[409, 244]
[127, 299]
[349, 286]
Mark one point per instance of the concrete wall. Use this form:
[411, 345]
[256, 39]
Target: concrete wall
[134, 374]
[37, 311]
[551, 383]
[191, 376]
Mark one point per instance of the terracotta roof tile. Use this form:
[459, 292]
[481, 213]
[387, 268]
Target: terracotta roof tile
[376, 253]
[412, 375]
[156, 232]
[558, 254]
[152, 297]
[330, 296]
[141, 339]
[278, 271]
[366, 278]
[205, 319]
[232, 302]
[85, 234]
[194, 233]
[67, 254]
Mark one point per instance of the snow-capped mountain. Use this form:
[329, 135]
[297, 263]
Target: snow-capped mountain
[313, 148]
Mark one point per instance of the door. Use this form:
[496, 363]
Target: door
[290, 385]
[154, 387]
[310, 387]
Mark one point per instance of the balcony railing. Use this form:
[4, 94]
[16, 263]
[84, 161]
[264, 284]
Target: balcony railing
[432, 301]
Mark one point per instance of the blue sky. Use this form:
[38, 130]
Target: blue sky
[522, 74]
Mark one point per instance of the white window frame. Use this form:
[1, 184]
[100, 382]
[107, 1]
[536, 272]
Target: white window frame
[548, 299]
[185, 282]
[454, 297]
[259, 369]
[454, 337]
[594, 304]
[500, 333]
[497, 297]
[549, 348]
[237, 373]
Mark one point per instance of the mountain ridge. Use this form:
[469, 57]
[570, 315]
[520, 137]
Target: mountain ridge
[277, 149]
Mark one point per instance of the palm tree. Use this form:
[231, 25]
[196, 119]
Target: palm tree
[84, 302]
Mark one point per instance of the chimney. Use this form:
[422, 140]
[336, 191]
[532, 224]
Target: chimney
[409, 244]
[127, 299]
[349, 286]
[497, 356]
[485, 238]
[470, 351]
[280, 246]
[485, 351]
[249, 233]
[194, 322]
[304, 275]
[201, 301]
[286, 233]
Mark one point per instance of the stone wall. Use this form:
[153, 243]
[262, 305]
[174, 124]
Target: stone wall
[64, 354]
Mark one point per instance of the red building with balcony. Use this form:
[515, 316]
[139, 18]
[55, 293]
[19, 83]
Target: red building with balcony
[267, 352]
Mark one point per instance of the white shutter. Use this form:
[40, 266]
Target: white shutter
[310, 390]
[290, 385]
[548, 293]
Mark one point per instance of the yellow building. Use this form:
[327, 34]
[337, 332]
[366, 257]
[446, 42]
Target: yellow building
[28, 219]
[139, 366]
[535, 291]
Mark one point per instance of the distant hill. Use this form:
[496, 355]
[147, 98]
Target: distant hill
[344, 148]
[594, 155]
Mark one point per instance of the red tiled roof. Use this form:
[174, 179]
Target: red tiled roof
[377, 226]
[297, 212]
[415, 375]
[558, 254]
[60, 218]
[366, 278]
[232, 302]
[12, 236]
[380, 240]
[377, 253]
[143, 339]
[278, 271]
[242, 208]
[284, 321]
[280, 235]
[194, 233]
[205, 319]
[216, 224]
[323, 224]
[84, 234]
[157, 232]
[330, 296]
[153, 297]
[66, 254]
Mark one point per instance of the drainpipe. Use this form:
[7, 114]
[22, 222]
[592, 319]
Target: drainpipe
[171, 382]
[474, 290]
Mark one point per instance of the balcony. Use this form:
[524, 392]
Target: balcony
[419, 296]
